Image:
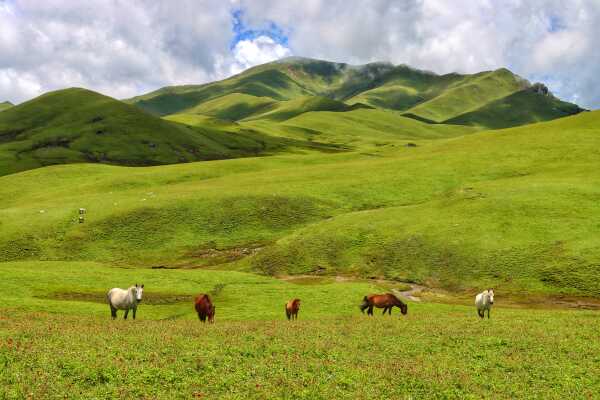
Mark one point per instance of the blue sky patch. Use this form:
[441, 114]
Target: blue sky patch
[243, 32]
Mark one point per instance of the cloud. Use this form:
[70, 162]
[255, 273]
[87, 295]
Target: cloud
[263, 49]
[123, 48]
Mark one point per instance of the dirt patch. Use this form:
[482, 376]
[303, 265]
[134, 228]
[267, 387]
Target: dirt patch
[211, 256]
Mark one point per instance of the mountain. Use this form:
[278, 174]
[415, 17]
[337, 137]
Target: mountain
[78, 125]
[6, 105]
[291, 105]
[428, 97]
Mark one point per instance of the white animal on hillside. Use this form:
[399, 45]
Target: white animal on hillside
[121, 299]
[484, 301]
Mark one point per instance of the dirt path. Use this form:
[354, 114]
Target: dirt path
[412, 293]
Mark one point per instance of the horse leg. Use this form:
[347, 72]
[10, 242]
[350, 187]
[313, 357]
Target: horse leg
[126, 312]
[134, 311]
[384, 310]
[488, 313]
[113, 312]
[390, 310]
[370, 311]
[480, 313]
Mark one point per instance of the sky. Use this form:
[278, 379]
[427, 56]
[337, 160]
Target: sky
[124, 48]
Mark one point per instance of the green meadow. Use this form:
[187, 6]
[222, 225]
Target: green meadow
[57, 341]
[309, 179]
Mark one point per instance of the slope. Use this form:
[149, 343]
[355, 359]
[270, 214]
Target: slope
[515, 208]
[260, 83]
[284, 110]
[232, 107]
[359, 129]
[470, 93]
[520, 108]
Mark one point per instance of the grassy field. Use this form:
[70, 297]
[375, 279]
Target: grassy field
[57, 341]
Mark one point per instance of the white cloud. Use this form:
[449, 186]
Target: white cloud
[250, 52]
[123, 48]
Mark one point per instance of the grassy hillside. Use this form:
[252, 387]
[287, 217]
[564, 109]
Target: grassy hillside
[358, 129]
[520, 108]
[232, 107]
[5, 105]
[270, 83]
[512, 208]
[469, 93]
[77, 125]
[284, 110]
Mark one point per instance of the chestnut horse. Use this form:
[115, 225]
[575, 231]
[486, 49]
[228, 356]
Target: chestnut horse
[386, 301]
[205, 308]
[291, 309]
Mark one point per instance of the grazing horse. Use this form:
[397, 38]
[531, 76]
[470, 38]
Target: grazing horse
[205, 308]
[484, 301]
[121, 299]
[386, 301]
[291, 309]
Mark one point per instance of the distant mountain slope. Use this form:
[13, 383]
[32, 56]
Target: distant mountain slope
[5, 105]
[470, 93]
[260, 83]
[78, 125]
[283, 110]
[519, 108]
[421, 95]
[232, 107]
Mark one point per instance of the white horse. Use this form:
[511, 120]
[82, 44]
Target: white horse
[484, 301]
[121, 299]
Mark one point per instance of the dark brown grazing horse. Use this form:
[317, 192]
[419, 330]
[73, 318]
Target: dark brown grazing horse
[291, 309]
[386, 301]
[205, 308]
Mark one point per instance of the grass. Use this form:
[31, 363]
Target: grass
[52, 347]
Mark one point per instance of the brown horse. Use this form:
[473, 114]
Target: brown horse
[205, 308]
[386, 301]
[291, 309]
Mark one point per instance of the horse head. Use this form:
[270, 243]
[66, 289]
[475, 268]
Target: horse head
[490, 296]
[403, 308]
[139, 290]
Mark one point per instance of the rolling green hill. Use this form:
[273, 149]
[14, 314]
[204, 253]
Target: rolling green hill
[512, 208]
[5, 105]
[78, 125]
